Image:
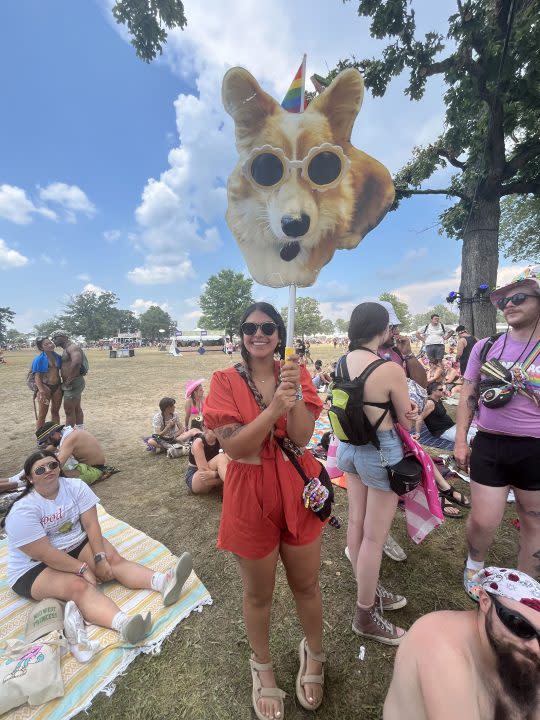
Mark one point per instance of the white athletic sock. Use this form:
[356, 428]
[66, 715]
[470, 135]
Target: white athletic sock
[119, 620]
[474, 564]
[158, 581]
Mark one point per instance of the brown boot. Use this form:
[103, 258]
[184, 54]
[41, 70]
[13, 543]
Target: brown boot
[368, 623]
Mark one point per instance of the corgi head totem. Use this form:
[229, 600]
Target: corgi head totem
[300, 190]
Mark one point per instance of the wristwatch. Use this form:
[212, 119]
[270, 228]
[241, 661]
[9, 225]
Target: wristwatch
[98, 557]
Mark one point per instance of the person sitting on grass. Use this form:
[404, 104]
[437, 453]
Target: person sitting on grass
[194, 402]
[453, 379]
[320, 377]
[207, 465]
[437, 420]
[56, 549]
[167, 427]
[436, 371]
[489, 658]
[78, 451]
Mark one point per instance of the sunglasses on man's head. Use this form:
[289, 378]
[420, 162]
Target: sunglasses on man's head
[42, 469]
[514, 622]
[250, 328]
[516, 299]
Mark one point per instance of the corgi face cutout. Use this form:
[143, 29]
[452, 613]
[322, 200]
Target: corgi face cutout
[300, 190]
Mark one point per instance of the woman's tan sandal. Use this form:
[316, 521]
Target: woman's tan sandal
[271, 693]
[303, 679]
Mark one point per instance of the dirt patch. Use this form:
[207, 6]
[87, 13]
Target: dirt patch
[202, 672]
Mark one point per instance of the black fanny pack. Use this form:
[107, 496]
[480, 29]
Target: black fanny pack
[405, 475]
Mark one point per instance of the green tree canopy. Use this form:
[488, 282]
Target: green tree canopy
[6, 318]
[401, 308]
[487, 57]
[327, 326]
[342, 326]
[146, 21]
[124, 321]
[47, 327]
[307, 319]
[154, 320]
[520, 223]
[224, 300]
[91, 314]
[446, 316]
[17, 336]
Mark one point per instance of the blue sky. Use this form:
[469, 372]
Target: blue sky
[112, 170]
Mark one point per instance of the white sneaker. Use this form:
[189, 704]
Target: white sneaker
[175, 579]
[80, 646]
[137, 628]
[511, 497]
[347, 554]
[393, 550]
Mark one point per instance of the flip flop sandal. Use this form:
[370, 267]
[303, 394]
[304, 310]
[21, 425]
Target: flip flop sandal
[259, 691]
[460, 500]
[447, 504]
[303, 679]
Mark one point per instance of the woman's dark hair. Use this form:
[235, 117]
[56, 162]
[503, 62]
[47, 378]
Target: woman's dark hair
[164, 403]
[28, 464]
[39, 343]
[367, 320]
[432, 386]
[272, 313]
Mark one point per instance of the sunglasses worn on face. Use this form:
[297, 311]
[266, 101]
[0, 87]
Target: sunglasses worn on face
[516, 299]
[323, 167]
[514, 622]
[42, 469]
[250, 328]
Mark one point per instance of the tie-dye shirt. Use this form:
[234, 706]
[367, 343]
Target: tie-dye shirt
[521, 416]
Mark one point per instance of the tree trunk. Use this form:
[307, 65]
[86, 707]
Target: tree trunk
[479, 263]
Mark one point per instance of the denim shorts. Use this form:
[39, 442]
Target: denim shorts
[365, 461]
[190, 472]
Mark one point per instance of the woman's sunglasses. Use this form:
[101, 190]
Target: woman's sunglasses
[42, 469]
[516, 299]
[323, 167]
[513, 621]
[250, 328]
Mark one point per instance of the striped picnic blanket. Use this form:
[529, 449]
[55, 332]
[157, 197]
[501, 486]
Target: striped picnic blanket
[83, 682]
[322, 425]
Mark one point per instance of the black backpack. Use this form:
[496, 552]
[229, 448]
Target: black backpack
[346, 414]
[487, 347]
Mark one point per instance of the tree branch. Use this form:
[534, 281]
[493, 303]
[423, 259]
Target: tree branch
[443, 191]
[523, 154]
[531, 186]
[451, 158]
[437, 67]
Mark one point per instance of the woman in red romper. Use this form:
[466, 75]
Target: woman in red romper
[263, 515]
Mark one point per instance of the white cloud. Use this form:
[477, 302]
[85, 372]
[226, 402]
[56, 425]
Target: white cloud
[140, 306]
[112, 235]
[71, 198]
[16, 207]
[84, 277]
[10, 258]
[155, 273]
[95, 289]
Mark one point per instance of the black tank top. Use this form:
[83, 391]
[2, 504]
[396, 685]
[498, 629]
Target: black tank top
[471, 341]
[210, 451]
[438, 420]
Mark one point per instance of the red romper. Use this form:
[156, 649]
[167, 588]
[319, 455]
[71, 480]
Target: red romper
[262, 504]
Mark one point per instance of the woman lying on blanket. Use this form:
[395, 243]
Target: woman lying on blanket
[56, 549]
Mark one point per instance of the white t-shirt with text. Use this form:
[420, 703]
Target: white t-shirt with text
[434, 334]
[35, 517]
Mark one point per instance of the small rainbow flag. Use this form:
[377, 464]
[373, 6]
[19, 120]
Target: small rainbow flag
[295, 99]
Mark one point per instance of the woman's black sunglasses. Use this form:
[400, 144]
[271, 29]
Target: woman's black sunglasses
[516, 299]
[42, 469]
[250, 328]
[513, 621]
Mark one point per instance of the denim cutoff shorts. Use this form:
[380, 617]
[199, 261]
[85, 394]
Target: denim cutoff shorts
[365, 461]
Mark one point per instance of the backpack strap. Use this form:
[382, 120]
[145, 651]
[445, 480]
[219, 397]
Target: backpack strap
[342, 371]
[487, 347]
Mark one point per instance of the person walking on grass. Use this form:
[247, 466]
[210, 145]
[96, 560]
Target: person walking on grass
[56, 549]
[372, 504]
[46, 368]
[249, 407]
[74, 368]
[506, 450]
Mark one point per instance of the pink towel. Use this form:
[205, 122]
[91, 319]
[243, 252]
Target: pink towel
[422, 506]
[331, 466]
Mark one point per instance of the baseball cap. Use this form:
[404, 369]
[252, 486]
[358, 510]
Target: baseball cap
[529, 279]
[392, 317]
[44, 617]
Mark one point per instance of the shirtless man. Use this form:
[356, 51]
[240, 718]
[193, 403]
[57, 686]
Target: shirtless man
[77, 450]
[477, 665]
[72, 379]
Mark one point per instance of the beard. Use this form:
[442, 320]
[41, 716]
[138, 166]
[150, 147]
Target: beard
[518, 670]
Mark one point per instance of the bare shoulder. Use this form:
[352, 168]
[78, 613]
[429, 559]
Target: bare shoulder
[438, 634]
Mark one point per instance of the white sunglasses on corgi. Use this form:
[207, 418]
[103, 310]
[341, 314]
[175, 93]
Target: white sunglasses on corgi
[323, 168]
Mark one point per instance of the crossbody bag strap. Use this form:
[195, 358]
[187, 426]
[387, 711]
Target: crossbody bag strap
[245, 375]
[531, 357]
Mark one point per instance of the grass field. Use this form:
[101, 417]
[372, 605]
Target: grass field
[202, 672]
